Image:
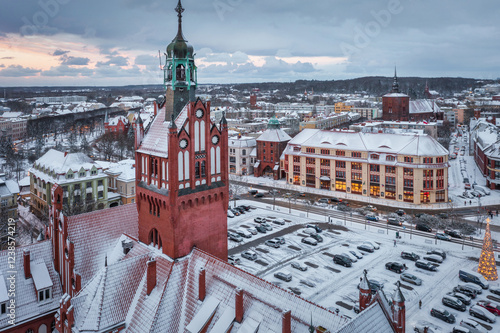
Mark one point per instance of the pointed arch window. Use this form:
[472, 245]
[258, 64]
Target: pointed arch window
[217, 161]
[180, 160]
[202, 135]
[155, 239]
[212, 161]
[186, 165]
[197, 170]
[203, 169]
[196, 136]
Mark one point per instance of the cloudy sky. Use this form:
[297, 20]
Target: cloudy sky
[116, 42]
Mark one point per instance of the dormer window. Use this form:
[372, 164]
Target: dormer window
[44, 295]
[69, 176]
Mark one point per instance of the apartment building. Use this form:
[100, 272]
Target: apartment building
[242, 155]
[401, 167]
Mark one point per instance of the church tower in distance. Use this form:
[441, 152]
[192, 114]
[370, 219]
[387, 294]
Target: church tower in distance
[182, 166]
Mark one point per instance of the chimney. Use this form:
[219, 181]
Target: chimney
[27, 267]
[239, 305]
[286, 318]
[151, 276]
[127, 245]
[201, 285]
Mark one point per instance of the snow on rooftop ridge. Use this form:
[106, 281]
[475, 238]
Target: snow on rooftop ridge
[40, 275]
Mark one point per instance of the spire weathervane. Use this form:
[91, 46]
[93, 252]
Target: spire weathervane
[179, 9]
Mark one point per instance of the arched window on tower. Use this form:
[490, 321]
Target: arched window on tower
[203, 171]
[180, 160]
[197, 169]
[196, 136]
[202, 135]
[181, 73]
[212, 161]
[186, 165]
[169, 73]
[155, 239]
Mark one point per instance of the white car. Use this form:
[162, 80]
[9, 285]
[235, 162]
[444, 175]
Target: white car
[350, 256]
[308, 231]
[373, 244]
[473, 326]
[230, 213]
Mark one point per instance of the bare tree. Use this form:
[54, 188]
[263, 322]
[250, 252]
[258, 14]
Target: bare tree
[237, 186]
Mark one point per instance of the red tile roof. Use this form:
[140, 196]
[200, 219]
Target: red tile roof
[95, 236]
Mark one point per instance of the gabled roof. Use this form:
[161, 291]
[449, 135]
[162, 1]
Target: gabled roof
[95, 236]
[372, 319]
[156, 140]
[61, 163]
[274, 135]
[27, 304]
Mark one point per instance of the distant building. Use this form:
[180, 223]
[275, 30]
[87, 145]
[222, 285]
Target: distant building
[341, 107]
[122, 180]
[241, 161]
[397, 106]
[60, 99]
[15, 129]
[486, 140]
[83, 181]
[270, 145]
[430, 94]
[117, 125]
[405, 168]
[329, 122]
[399, 127]
[368, 113]
[9, 192]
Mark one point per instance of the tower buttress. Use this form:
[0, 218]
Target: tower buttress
[399, 309]
[365, 294]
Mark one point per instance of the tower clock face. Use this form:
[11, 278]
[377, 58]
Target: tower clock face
[215, 139]
[183, 144]
[199, 113]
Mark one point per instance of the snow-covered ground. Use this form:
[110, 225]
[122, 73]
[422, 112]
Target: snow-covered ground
[330, 283]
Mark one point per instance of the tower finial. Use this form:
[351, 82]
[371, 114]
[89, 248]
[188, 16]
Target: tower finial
[179, 9]
[395, 84]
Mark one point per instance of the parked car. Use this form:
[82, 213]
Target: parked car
[454, 303]
[443, 236]
[466, 291]
[309, 241]
[230, 213]
[490, 306]
[299, 266]
[308, 231]
[234, 237]
[235, 211]
[272, 243]
[250, 255]
[373, 244]
[266, 226]
[372, 218]
[425, 265]
[394, 221]
[342, 260]
[453, 233]
[280, 240]
[240, 210]
[285, 276]
[252, 230]
[400, 212]
[278, 221]
[261, 229]
[422, 328]
[474, 287]
[438, 252]
[233, 260]
[473, 277]
[317, 237]
[443, 315]
[366, 248]
[253, 192]
[495, 291]
[410, 256]
[244, 207]
[244, 233]
[433, 258]
[350, 256]
[442, 215]
[423, 227]
[259, 219]
[323, 200]
[473, 326]
[464, 298]
[395, 267]
[407, 277]
[315, 227]
[482, 313]
[295, 290]
[259, 195]
[357, 254]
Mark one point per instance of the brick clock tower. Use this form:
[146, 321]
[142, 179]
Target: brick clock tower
[395, 105]
[182, 166]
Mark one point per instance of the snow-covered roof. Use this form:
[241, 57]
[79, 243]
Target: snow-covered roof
[115, 120]
[12, 114]
[274, 135]
[61, 163]
[124, 169]
[242, 142]
[40, 274]
[27, 304]
[424, 106]
[395, 95]
[404, 144]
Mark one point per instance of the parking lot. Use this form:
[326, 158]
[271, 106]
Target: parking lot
[334, 286]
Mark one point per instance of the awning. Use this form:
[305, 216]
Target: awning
[325, 178]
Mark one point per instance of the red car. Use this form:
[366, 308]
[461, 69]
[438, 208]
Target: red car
[491, 307]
